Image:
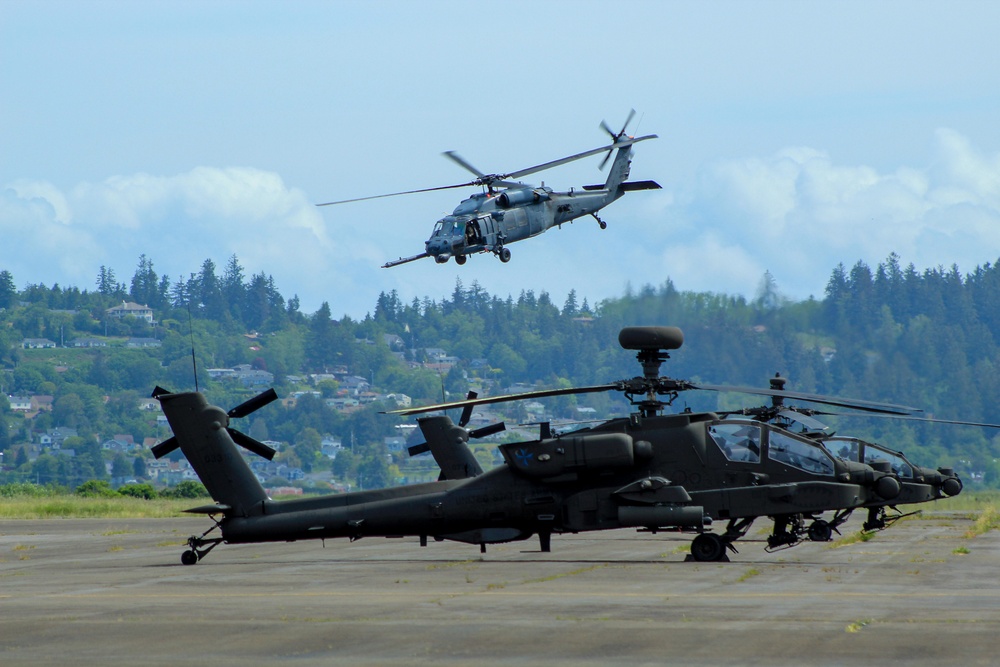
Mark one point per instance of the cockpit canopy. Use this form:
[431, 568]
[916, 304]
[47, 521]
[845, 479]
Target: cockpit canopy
[750, 442]
[860, 451]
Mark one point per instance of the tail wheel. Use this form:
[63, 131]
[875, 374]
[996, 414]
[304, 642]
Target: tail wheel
[189, 557]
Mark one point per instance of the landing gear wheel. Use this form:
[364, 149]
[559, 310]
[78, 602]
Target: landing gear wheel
[460, 259]
[603, 224]
[189, 557]
[504, 255]
[707, 547]
[820, 531]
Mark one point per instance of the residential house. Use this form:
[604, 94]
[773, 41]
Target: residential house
[88, 342]
[19, 403]
[143, 342]
[130, 309]
[37, 343]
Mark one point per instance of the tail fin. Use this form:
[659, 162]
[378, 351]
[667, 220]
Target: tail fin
[620, 169]
[201, 431]
[448, 444]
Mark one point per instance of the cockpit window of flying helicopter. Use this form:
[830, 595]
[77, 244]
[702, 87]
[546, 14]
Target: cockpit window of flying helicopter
[449, 226]
[739, 441]
[810, 457]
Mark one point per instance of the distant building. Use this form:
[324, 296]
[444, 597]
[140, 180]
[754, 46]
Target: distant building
[37, 343]
[143, 342]
[130, 309]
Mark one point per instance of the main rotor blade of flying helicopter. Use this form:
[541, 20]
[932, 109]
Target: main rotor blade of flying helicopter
[855, 404]
[396, 194]
[579, 156]
[542, 393]
[462, 162]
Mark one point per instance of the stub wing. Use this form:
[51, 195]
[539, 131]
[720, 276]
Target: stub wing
[404, 260]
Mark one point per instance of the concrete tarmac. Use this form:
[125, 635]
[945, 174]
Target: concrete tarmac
[88, 592]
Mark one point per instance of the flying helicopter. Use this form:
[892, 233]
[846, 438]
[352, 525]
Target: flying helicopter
[650, 471]
[507, 210]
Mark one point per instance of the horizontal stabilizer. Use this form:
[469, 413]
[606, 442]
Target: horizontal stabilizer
[215, 508]
[631, 186]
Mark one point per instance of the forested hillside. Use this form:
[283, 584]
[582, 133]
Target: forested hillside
[918, 337]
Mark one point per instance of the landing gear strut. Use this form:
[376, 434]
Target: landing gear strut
[603, 224]
[198, 546]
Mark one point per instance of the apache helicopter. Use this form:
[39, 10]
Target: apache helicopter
[918, 484]
[491, 220]
[649, 471]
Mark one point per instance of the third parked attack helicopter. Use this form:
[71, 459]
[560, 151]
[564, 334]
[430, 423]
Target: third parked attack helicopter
[918, 484]
[491, 220]
[650, 471]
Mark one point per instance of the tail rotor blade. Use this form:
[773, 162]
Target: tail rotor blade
[467, 410]
[251, 445]
[488, 430]
[254, 404]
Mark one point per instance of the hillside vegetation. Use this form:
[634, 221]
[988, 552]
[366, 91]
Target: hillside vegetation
[925, 338]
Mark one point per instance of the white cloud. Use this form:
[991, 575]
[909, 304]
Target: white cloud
[177, 221]
[798, 214]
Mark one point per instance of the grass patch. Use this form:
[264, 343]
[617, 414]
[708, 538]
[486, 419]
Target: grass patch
[80, 507]
[961, 551]
[853, 538]
[857, 626]
[988, 519]
[749, 574]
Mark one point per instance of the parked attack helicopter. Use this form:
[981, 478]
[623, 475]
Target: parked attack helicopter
[491, 220]
[650, 471]
[918, 484]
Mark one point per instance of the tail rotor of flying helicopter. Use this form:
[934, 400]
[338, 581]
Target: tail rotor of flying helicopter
[615, 137]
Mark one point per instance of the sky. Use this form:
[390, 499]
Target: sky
[793, 136]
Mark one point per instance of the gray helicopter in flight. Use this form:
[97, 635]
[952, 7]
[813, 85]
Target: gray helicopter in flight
[507, 211]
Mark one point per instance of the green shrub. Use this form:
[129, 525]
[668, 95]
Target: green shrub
[144, 491]
[96, 488]
[22, 489]
[186, 490]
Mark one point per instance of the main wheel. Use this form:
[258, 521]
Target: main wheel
[820, 531]
[460, 259]
[504, 255]
[707, 547]
[189, 557]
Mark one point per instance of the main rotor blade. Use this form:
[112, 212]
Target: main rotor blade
[542, 393]
[462, 162]
[913, 418]
[856, 404]
[396, 194]
[579, 156]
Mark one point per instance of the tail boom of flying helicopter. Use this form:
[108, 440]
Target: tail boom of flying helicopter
[649, 471]
[491, 220]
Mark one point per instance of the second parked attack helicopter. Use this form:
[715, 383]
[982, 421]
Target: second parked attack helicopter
[491, 220]
[650, 471]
